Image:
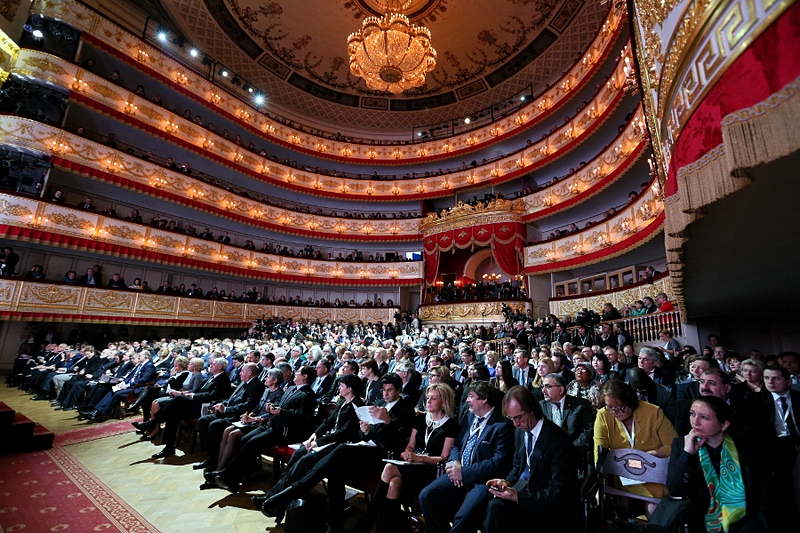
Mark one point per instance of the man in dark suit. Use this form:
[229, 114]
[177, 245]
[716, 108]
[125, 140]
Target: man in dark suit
[144, 374]
[649, 391]
[371, 375]
[690, 389]
[522, 371]
[223, 414]
[618, 368]
[292, 421]
[573, 415]
[779, 416]
[543, 483]
[323, 381]
[188, 405]
[337, 465]
[86, 205]
[649, 359]
[560, 362]
[8, 261]
[484, 450]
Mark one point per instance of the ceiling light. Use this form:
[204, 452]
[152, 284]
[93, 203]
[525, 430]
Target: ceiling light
[223, 73]
[193, 52]
[467, 120]
[162, 36]
[259, 99]
[389, 52]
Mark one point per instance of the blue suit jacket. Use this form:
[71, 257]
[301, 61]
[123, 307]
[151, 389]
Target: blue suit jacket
[493, 454]
[147, 375]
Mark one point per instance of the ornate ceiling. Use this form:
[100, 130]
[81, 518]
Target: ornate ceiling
[488, 50]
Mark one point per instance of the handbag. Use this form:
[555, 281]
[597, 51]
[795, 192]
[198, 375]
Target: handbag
[670, 514]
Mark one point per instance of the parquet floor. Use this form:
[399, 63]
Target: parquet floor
[164, 492]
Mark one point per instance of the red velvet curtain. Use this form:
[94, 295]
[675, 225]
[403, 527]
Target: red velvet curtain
[507, 240]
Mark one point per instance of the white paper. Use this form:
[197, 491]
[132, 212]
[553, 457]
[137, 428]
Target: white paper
[364, 416]
[626, 482]
[400, 462]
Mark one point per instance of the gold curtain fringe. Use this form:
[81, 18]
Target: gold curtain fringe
[765, 132]
[759, 134]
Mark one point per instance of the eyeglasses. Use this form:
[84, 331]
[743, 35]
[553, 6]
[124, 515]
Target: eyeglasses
[616, 410]
[548, 386]
[517, 418]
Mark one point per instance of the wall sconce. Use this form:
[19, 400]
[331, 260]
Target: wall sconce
[364, 274]
[59, 147]
[521, 162]
[321, 147]
[372, 154]
[579, 249]
[214, 98]
[243, 114]
[648, 210]
[337, 273]
[250, 264]
[447, 147]
[147, 243]
[344, 188]
[113, 165]
[313, 224]
[340, 228]
[99, 233]
[170, 127]
[395, 190]
[130, 108]
[393, 274]
[285, 220]
[290, 178]
[258, 214]
[548, 200]
[496, 131]
[565, 86]
[263, 169]
[472, 141]
[394, 230]
[495, 173]
[628, 226]
[295, 139]
[520, 119]
[370, 190]
[158, 182]
[181, 78]
[368, 229]
[237, 157]
[142, 56]
[446, 185]
[422, 152]
[421, 187]
[550, 255]
[78, 84]
[208, 144]
[196, 194]
[604, 240]
[397, 154]
[187, 251]
[346, 151]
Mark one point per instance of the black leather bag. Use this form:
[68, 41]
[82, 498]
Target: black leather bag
[670, 515]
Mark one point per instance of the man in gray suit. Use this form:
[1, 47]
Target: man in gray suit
[572, 414]
[522, 371]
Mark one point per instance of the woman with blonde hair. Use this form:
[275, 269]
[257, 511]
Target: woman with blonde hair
[432, 437]
[543, 367]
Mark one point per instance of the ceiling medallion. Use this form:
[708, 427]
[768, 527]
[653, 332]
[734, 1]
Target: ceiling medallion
[389, 52]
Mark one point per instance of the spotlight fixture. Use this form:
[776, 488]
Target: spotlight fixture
[207, 61]
[193, 52]
[247, 87]
[180, 41]
[223, 73]
[38, 34]
[259, 99]
[467, 120]
[236, 80]
[522, 98]
[162, 35]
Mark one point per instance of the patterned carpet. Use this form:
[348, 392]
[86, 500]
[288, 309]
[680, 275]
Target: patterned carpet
[52, 491]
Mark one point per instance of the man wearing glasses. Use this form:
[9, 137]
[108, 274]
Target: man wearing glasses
[543, 483]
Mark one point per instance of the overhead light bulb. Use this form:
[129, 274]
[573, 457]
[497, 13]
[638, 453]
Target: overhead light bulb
[193, 52]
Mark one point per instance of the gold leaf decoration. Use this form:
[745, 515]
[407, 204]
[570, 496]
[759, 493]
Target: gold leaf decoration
[14, 210]
[44, 65]
[71, 221]
[124, 232]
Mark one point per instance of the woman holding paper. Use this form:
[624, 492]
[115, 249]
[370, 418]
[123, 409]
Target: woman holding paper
[433, 435]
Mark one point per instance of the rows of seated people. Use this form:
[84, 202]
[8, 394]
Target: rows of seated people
[161, 221]
[507, 428]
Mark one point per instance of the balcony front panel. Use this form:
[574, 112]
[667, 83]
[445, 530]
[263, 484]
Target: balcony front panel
[106, 35]
[49, 302]
[32, 220]
[628, 229]
[476, 312]
[94, 91]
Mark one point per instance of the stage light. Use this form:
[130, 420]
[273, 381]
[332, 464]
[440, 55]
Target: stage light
[193, 52]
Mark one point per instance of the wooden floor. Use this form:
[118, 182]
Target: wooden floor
[164, 492]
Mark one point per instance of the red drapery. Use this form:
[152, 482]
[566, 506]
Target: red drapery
[507, 240]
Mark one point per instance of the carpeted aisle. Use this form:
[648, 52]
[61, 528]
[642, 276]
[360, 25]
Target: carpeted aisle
[51, 491]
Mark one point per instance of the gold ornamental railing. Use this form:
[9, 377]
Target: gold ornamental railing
[52, 302]
[473, 312]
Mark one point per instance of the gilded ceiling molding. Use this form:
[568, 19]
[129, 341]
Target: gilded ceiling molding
[685, 47]
[101, 162]
[106, 34]
[595, 176]
[91, 90]
[48, 302]
[31, 220]
[626, 230]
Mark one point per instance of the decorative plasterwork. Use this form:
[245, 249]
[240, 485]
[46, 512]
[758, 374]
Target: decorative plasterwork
[469, 312]
[684, 48]
[465, 215]
[599, 172]
[35, 301]
[121, 237]
[155, 63]
[601, 241]
[103, 162]
[619, 298]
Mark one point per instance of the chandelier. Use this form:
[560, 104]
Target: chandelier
[389, 52]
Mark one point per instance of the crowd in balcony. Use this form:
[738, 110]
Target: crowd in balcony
[575, 396]
[164, 222]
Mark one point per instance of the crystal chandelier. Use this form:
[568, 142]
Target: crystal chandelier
[389, 52]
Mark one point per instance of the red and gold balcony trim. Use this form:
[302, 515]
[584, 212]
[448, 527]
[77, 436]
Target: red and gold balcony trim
[623, 232]
[118, 42]
[98, 93]
[598, 173]
[50, 302]
[619, 298]
[31, 220]
[107, 164]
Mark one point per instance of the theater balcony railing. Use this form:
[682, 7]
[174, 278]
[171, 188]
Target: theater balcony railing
[599, 173]
[151, 60]
[641, 221]
[474, 312]
[96, 92]
[83, 156]
[51, 302]
[32, 220]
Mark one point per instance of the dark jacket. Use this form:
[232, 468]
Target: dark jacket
[342, 425]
